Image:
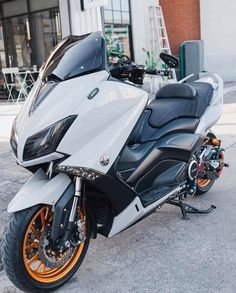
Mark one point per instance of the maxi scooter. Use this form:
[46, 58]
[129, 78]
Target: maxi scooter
[102, 157]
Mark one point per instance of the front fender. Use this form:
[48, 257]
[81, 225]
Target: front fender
[39, 189]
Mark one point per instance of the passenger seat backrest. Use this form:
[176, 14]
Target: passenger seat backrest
[177, 90]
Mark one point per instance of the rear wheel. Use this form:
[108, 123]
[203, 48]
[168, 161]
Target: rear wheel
[29, 258]
[204, 185]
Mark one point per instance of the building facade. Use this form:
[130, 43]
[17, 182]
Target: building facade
[218, 30]
[182, 19]
[29, 29]
[126, 23]
[207, 20]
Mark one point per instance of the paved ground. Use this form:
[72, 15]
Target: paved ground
[8, 112]
[162, 253]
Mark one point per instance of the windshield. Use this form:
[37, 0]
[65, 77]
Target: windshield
[76, 56]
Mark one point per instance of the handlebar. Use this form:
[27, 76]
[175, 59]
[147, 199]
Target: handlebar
[151, 71]
[133, 72]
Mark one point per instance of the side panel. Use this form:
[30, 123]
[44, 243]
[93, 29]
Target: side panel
[209, 119]
[215, 109]
[134, 212]
[39, 190]
[179, 146]
[103, 125]
[119, 194]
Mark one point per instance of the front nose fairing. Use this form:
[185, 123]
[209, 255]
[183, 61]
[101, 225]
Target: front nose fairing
[63, 101]
[71, 72]
[102, 122]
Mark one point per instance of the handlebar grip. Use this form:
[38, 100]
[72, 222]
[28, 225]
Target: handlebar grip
[151, 71]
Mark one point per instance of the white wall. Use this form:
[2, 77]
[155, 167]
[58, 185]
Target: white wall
[141, 27]
[81, 22]
[218, 30]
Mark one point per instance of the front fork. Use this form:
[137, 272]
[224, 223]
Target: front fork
[77, 198]
[74, 210]
[66, 223]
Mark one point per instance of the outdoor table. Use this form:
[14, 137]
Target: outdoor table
[19, 83]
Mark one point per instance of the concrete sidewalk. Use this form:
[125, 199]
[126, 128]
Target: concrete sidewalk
[8, 112]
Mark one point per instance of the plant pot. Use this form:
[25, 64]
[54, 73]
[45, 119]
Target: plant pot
[151, 83]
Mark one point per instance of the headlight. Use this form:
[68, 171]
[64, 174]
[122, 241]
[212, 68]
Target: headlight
[47, 141]
[14, 138]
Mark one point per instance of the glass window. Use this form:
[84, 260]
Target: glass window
[30, 38]
[125, 17]
[117, 17]
[116, 5]
[118, 39]
[17, 44]
[46, 25]
[118, 11]
[29, 32]
[108, 16]
[2, 49]
[125, 5]
[118, 27]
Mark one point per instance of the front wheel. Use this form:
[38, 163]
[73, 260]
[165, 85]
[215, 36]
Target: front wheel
[29, 258]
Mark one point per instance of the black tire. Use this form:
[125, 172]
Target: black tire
[12, 253]
[202, 190]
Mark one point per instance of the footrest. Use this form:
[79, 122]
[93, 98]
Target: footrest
[150, 196]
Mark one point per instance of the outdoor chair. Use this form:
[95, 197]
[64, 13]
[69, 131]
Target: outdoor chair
[14, 85]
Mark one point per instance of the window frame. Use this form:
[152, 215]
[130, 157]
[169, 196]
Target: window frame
[122, 24]
[29, 15]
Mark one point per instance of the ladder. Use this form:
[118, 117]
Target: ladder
[159, 36]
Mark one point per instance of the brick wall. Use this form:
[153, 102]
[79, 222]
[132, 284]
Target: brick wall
[182, 19]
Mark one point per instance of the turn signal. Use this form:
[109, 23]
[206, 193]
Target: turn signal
[84, 173]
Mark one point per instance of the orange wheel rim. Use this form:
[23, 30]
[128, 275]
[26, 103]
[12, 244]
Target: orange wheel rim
[203, 182]
[33, 264]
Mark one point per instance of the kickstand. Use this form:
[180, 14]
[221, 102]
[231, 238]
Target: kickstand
[188, 209]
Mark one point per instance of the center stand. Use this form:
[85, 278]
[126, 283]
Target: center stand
[188, 209]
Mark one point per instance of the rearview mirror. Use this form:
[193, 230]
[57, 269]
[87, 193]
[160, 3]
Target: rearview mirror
[169, 60]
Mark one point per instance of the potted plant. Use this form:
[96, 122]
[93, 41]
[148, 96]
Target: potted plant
[153, 61]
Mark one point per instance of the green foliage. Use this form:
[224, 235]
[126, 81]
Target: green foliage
[112, 43]
[153, 60]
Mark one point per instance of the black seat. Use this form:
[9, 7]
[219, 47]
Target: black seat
[179, 101]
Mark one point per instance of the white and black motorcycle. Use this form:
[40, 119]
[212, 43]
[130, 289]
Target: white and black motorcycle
[103, 157]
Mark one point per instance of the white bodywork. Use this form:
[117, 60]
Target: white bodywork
[39, 190]
[102, 128]
[103, 124]
[135, 211]
[215, 109]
